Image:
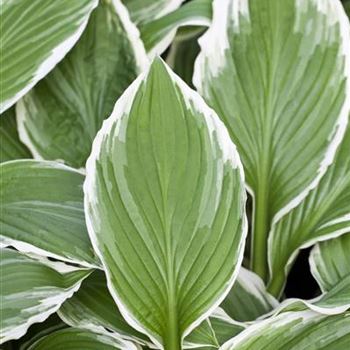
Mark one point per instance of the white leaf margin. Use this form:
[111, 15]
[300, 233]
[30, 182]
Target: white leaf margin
[274, 322]
[254, 285]
[17, 332]
[213, 45]
[92, 327]
[28, 248]
[335, 14]
[133, 35]
[122, 107]
[57, 54]
[165, 42]
[142, 63]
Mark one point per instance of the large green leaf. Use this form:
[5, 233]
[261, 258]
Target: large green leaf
[35, 36]
[248, 298]
[42, 211]
[10, 146]
[295, 331]
[330, 265]
[277, 74]
[77, 339]
[324, 213]
[60, 117]
[31, 290]
[164, 201]
[158, 34]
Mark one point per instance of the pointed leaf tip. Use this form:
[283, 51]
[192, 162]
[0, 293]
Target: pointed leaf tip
[160, 197]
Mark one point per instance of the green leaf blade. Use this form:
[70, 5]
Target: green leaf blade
[60, 117]
[277, 73]
[144, 11]
[11, 147]
[76, 339]
[295, 330]
[54, 25]
[157, 124]
[158, 34]
[330, 265]
[42, 211]
[92, 307]
[248, 299]
[323, 214]
[32, 290]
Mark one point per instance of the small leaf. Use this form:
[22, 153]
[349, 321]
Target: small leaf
[42, 211]
[330, 265]
[76, 339]
[224, 327]
[277, 73]
[182, 56]
[202, 336]
[248, 298]
[294, 331]
[60, 117]
[157, 35]
[324, 213]
[11, 147]
[163, 193]
[54, 27]
[32, 290]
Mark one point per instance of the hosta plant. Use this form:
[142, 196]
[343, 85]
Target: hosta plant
[164, 164]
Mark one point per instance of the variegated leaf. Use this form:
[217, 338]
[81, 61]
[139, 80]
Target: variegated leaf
[59, 118]
[163, 193]
[277, 73]
[32, 290]
[35, 36]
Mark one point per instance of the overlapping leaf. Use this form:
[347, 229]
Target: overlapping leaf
[248, 299]
[324, 213]
[277, 74]
[158, 34]
[35, 332]
[35, 36]
[144, 11]
[330, 265]
[92, 307]
[294, 331]
[181, 57]
[224, 327]
[31, 290]
[165, 206]
[10, 146]
[42, 211]
[60, 117]
[77, 339]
